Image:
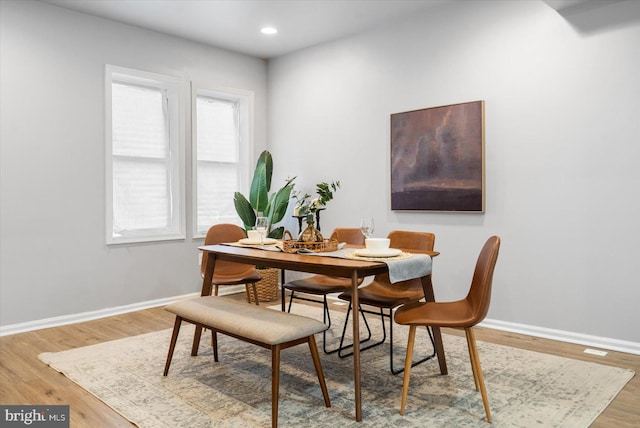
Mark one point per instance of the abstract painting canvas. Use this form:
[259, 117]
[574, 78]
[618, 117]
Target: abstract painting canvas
[437, 158]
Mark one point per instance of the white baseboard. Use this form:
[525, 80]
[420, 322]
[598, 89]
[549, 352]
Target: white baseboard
[559, 335]
[102, 313]
[547, 333]
[565, 336]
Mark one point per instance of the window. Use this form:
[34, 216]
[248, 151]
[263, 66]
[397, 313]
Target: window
[145, 157]
[221, 154]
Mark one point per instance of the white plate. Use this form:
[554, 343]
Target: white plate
[387, 252]
[267, 241]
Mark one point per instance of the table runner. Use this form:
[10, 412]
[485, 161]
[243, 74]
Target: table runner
[400, 268]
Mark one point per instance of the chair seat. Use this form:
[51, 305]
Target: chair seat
[382, 296]
[441, 314]
[235, 279]
[320, 285]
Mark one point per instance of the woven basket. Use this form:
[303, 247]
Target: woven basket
[293, 245]
[267, 287]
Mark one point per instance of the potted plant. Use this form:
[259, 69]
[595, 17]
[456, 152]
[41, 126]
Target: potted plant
[260, 202]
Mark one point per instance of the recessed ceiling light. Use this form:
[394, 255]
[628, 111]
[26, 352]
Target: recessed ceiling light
[269, 30]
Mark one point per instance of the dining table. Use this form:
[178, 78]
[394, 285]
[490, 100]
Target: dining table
[334, 266]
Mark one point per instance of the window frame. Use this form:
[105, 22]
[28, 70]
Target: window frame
[245, 100]
[175, 91]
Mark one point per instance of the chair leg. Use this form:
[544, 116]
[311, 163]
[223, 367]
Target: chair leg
[477, 370]
[407, 368]
[172, 344]
[344, 332]
[326, 318]
[384, 338]
[290, 300]
[414, 363]
[318, 365]
[214, 344]
[275, 384]
[473, 364]
[254, 290]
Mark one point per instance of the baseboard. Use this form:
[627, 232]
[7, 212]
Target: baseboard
[565, 336]
[547, 333]
[102, 313]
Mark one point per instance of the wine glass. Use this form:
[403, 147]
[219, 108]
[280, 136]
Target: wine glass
[366, 226]
[262, 224]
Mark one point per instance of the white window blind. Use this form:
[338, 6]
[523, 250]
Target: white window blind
[144, 171]
[222, 123]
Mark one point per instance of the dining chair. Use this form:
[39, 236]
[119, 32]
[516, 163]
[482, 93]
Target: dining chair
[385, 296]
[322, 285]
[463, 314]
[229, 273]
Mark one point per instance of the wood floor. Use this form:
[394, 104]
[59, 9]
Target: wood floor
[26, 380]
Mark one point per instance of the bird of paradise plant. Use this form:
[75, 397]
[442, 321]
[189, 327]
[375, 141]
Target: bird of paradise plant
[260, 202]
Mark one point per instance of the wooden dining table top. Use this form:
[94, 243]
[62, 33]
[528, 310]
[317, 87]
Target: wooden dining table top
[335, 266]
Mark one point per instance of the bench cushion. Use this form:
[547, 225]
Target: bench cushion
[245, 320]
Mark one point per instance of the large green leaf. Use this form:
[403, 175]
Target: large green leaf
[261, 183]
[266, 159]
[259, 193]
[276, 233]
[278, 203]
[244, 210]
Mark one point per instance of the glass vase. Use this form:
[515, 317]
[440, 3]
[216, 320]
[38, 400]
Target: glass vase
[310, 233]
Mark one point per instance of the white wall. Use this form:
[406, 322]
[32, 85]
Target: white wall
[53, 256]
[562, 146]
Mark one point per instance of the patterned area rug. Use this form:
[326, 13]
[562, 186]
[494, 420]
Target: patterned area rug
[526, 389]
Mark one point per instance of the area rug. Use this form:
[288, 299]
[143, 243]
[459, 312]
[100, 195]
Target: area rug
[526, 389]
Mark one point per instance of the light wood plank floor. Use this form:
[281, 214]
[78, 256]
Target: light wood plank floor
[26, 380]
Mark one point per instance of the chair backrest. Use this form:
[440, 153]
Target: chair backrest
[479, 295]
[410, 242]
[350, 235]
[217, 234]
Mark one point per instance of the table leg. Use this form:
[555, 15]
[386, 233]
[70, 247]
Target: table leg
[206, 291]
[427, 286]
[356, 345]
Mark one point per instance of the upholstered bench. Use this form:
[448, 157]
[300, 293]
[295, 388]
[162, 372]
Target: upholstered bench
[264, 327]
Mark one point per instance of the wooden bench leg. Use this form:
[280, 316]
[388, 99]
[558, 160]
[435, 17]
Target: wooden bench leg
[172, 345]
[316, 362]
[275, 384]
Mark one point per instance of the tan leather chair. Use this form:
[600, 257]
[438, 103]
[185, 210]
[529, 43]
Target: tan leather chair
[229, 273]
[382, 294]
[464, 314]
[322, 285]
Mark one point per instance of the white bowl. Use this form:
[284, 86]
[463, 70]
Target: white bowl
[253, 235]
[377, 244]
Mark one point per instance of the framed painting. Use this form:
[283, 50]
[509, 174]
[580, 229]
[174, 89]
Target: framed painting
[437, 158]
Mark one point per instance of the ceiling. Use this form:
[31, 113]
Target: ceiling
[235, 24]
